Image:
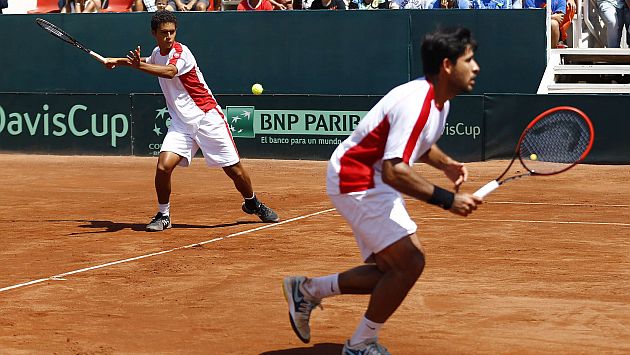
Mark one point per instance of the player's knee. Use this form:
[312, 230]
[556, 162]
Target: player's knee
[416, 263]
[163, 169]
[412, 266]
[235, 172]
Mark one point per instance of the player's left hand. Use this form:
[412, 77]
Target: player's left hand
[134, 57]
[457, 173]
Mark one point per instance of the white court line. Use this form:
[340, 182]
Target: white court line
[553, 204]
[62, 276]
[618, 224]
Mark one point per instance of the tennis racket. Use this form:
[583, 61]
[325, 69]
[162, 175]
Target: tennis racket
[64, 36]
[552, 143]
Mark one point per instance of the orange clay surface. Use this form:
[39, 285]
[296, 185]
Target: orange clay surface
[542, 268]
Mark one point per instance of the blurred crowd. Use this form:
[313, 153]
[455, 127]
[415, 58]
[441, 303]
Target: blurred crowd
[614, 14]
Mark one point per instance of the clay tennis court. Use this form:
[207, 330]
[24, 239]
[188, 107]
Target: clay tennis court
[542, 268]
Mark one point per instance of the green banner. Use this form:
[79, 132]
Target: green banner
[301, 126]
[246, 121]
[65, 123]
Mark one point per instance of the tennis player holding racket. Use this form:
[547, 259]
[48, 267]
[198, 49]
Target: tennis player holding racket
[367, 175]
[196, 120]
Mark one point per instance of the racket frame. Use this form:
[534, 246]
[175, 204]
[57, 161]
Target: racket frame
[64, 36]
[494, 184]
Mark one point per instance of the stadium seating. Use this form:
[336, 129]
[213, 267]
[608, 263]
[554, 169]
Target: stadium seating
[587, 71]
[118, 6]
[45, 7]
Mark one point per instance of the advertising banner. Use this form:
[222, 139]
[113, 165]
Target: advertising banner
[301, 126]
[65, 124]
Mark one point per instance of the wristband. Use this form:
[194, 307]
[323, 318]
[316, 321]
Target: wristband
[442, 198]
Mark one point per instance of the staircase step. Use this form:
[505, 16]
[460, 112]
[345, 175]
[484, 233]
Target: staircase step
[591, 69]
[587, 88]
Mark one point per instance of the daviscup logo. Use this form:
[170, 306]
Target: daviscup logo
[240, 119]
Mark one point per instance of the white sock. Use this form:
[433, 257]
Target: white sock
[165, 208]
[321, 287]
[366, 330]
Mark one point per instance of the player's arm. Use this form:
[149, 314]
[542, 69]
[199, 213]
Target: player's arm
[164, 71]
[399, 175]
[453, 169]
[134, 60]
[112, 63]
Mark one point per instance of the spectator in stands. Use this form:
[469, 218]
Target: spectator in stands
[282, 4]
[489, 4]
[191, 5]
[69, 6]
[95, 5]
[369, 4]
[254, 5]
[615, 14]
[566, 22]
[305, 4]
[328, 5]
[144, 5]
[558, 9]
[168, 5]
[154, 5]
[415, 4]
[3, 5]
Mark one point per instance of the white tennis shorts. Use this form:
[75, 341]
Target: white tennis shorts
[378, 218]
[211, 134]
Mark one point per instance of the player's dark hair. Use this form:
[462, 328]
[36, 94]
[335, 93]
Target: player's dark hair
[160, 17]
[444, 43]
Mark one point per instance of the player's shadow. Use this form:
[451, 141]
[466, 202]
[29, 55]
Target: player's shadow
[316, 349]
[111, 227]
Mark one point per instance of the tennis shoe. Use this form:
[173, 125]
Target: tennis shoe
[366, 347]
[263, 212]
[300, 306]
[159, 223]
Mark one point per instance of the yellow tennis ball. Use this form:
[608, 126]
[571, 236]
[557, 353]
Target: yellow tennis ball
[257, 89]
[533, 156]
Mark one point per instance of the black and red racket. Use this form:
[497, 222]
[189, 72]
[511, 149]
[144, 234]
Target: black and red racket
[552, 143]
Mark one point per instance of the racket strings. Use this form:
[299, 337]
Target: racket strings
[555, 143]
[55, 31]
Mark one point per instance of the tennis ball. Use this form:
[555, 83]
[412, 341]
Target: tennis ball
[533, 156]
[257, 89]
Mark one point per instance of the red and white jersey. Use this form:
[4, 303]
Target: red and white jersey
[404, 124]
[188, 97]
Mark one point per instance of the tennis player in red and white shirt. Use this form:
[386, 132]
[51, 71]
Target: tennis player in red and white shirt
[367, 176]
[197, 121]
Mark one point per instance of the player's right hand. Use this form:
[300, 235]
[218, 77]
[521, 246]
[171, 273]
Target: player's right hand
[464, 204]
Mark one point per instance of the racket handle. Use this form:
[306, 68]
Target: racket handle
[97, 56]
[486, 189]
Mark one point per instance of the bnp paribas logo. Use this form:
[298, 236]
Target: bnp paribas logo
[162, 122]
[240, 119]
